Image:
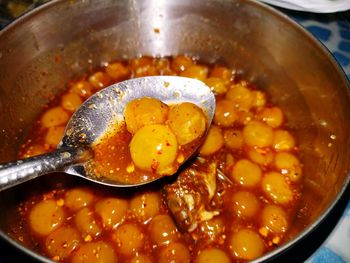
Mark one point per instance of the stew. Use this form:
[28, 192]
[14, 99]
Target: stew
[234, 202]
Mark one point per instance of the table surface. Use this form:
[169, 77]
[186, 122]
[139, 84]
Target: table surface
[330, 240]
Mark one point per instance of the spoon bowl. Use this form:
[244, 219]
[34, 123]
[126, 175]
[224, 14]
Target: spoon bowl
[93, 119]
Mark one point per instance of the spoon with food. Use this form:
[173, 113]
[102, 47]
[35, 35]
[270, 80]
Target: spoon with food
[128, 134]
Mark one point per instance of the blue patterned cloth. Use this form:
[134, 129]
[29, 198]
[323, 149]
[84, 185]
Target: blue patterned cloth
[336, 248]
[325, 254]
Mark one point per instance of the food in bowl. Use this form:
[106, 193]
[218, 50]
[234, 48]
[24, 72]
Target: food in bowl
[234, 202]
[153, 141]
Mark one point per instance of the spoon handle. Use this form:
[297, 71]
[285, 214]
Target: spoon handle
[17, 172]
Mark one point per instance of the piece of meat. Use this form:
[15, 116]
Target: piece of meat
[196, 194]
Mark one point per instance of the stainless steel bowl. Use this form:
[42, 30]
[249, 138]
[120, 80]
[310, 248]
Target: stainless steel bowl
[45, 48]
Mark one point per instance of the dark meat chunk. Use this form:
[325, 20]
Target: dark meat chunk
[196, 194]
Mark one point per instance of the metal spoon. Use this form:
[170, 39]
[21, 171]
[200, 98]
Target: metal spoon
[92, 120]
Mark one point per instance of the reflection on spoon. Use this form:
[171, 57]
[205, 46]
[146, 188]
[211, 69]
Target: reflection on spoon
[93, 121]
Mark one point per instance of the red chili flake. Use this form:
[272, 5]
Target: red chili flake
[58, 59]
[154, 165]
